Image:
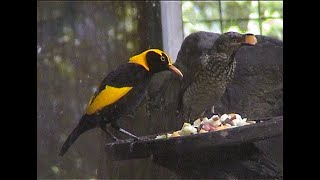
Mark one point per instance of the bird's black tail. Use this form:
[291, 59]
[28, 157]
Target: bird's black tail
[83, 126]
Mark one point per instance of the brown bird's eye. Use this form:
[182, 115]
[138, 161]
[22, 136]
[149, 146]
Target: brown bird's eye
[162, 58]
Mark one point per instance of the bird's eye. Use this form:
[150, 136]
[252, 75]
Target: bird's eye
[162, 58]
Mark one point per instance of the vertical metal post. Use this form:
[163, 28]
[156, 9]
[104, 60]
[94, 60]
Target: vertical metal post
[172, 29]
[260, 23]
[220, 17]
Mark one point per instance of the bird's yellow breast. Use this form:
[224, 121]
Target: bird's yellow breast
[106, 97]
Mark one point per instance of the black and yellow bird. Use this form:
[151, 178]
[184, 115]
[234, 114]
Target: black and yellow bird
[120, 92]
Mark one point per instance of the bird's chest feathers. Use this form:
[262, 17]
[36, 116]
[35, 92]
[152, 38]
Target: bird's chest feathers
[215, 74]
[219, 69]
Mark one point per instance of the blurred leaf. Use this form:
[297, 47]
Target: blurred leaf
[238, 26]
[273, 28]
[253, 27]
[201, 26]
[271, 9]
[237, 9]
[193, 11]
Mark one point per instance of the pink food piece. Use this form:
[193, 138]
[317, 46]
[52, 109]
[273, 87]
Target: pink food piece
[208, 127]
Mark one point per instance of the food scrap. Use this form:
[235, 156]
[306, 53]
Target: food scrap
[204, 125]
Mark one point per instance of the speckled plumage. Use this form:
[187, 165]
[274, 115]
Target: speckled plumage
[209, 84]
[207, 75]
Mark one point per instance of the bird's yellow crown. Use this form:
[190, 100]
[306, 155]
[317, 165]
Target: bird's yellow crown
[141, 58]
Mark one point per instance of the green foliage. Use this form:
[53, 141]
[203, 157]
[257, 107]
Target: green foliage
[238, 26]
[237, 9]
[196, 11]
[240, 16]
[271, 9]
[273, 28]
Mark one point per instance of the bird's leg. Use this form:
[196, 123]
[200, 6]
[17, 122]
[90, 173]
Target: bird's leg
[209, 113]
[199, 128]
[189, 114]
[129, 134]
[104, 128]
[117, 127]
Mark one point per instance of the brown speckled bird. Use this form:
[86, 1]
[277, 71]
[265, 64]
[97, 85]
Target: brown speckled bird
[207, 77]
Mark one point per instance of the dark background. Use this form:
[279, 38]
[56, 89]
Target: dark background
[78, 44]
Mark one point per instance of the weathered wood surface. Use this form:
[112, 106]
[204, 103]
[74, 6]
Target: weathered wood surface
[244, 161]
[129, 149]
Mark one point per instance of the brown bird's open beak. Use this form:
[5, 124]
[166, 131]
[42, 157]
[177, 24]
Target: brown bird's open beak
[175, 70]
[250, 39]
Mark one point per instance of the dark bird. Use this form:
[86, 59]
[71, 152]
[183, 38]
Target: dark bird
[121, 92]
[209, 73]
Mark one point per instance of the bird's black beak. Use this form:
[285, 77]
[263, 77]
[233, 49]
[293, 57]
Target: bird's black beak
[249, 39]
[175, 70]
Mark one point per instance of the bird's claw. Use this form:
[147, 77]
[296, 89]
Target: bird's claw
[115, 139]
[137, 139]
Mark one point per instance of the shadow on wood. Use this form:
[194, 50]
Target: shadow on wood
[236, 161]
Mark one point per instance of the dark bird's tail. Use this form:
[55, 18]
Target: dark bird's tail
[84, 125]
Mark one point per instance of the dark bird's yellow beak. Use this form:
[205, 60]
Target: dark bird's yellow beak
[175, 70]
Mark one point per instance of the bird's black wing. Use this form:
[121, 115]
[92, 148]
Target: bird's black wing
[126, 75]
[117, 84]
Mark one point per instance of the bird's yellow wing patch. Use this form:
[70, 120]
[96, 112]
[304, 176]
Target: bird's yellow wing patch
[106, 97]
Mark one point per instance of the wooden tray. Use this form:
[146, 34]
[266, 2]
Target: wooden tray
[128, 149]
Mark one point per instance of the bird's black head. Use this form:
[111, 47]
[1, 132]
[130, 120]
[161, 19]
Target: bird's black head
[230, 42]
[155, 60]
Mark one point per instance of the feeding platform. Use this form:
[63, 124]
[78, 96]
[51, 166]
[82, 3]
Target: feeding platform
[185, 145]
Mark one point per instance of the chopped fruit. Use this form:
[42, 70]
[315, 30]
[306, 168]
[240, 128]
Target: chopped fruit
[204, 125]
[197, 123]
[188, 129]
[175, 134]
[163, 136]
